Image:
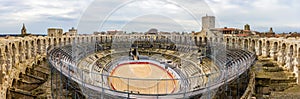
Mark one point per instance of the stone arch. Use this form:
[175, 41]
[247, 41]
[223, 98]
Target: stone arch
[205, 40]
[97, 38]
[39, 48]
[32, 48]
[295, 51]
[110, 38]
[275, 50]
[44, 59]
[38, 62]
[283, 48]
[260, 47]
[59, 41]
[21, 54]
[44, 45]
[268, 48]
[239, 42]
[233, 42]
[92, 39]
[200, 40]
[69, 40]
[14, 53]
[298, 56]
[246, 44]
[49, 42]
[252, 45]
[289, 58]
[54, 41]
[101, 39]
[227, 42]
[275, 46]
[1, 59]
[65, 40]
[291, 51]
[195, 39]
[283, 53]
[87, 39]
[8, 58]
[27, 56]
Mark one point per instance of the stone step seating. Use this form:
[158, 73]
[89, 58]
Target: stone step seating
[84, 65]
[193, 73]
[103, 62]
[97, 67]
[206, 66]
[30, 78]
[284, 95]
[190, 69]
[221, 59]
[107, 62]
[37, 74]
[19, 94]
[157, 57]
[121, 46]
[68, 49]
[90, 59]
[25, 86]
[44, 69]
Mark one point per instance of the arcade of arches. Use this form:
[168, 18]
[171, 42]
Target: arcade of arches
[19, 53]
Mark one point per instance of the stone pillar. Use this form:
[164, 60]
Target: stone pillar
[296, 66]
[47, 44]
[288, 61]
[257, 50]
[17, 60]
[264, 51]
[27, 51]
[33, 48]
[273, 53]
[280, 58]
[298, 78]
[297, 74]
[21, 55]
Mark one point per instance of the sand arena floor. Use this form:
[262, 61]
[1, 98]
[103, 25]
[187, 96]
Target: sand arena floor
[145, 72]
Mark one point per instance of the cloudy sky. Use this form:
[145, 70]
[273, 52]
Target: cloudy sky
[140, 15]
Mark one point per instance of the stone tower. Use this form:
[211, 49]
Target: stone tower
[55, 32]
[271, 30]
[208, 22]
[73, 31]
[247, 27]
[23, 31]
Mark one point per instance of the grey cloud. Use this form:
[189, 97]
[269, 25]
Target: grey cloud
[282, 15]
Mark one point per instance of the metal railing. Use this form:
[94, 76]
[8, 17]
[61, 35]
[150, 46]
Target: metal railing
[102, 83]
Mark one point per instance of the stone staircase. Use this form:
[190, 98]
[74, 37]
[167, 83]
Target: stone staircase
[31, 85]
[272, 80]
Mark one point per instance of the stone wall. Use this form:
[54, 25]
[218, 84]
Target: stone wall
[285, 51]
[250, 88]
[18, 53]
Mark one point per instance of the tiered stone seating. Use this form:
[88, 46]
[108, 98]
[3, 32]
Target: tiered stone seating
[196, 74]
[27, 86]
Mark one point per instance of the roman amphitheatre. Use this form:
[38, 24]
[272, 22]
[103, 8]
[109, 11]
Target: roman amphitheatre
[146, 65]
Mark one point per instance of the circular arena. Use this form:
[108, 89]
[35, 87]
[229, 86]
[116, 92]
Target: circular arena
[145, 66]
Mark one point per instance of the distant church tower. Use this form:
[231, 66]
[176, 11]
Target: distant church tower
[247, 27]
[23, 31]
